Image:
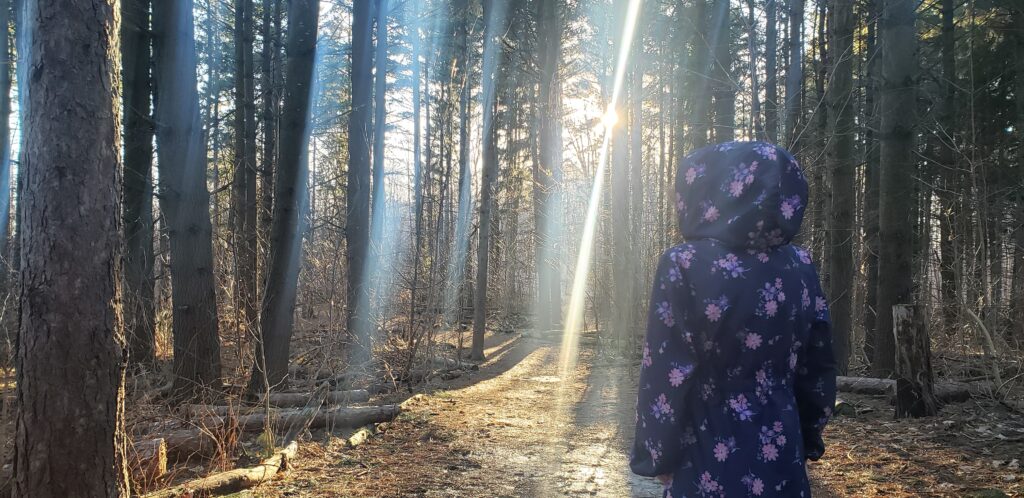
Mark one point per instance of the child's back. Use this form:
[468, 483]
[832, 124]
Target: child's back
[737, 379]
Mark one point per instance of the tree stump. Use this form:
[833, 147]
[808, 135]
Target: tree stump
[914, 385]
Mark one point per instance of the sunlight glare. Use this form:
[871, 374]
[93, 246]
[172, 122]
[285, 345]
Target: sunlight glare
[577, 299]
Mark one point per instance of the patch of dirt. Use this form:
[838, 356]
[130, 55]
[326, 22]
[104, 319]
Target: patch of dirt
[514, 428]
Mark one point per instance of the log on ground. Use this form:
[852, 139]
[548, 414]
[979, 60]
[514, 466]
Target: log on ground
[945, 392]
[232, 480]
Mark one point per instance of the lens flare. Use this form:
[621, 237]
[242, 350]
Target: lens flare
[577, 299]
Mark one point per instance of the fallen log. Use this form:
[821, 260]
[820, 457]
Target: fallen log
[148, 460]
[232, 480]
[945, 392]
[278, 400]
[337, 417]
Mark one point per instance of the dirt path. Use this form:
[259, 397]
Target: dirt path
[515, 429]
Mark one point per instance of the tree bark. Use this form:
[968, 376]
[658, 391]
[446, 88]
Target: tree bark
[896, 196]
[137, 208]
[771, 80]
[795, 72]
[184, 200]
[271, 68]
[723, 90]
[871, 186]
[914, 379]
[841, 165]
[245, 204]
[1017, 292]
[278, 313]
[70, 364]
[357, 227]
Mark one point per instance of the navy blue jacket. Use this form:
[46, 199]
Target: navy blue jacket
[737, 379]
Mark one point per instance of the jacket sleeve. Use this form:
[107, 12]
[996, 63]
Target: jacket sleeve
[666, 376]
[816, 376]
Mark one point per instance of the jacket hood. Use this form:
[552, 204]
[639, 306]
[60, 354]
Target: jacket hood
[744, 194]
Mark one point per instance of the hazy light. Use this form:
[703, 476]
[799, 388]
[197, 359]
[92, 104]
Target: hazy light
[577, 300]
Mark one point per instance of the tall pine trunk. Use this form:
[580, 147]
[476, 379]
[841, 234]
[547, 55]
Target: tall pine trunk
[137, 199]
[548, 172]
[271, 101]
[842, 166]
[245, 204]
[871, 172]
[277, 316]
[184, 199]
[357, 232]
[795, 71]
[723, 90]
[896, 195]
[771, 79]
[69, 432]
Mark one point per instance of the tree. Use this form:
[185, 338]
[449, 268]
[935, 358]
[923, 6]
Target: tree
[357, 232]
[245, 205]
[896, 195]
[184, 200]
[494, 19]
[795, 71]
[771, 80]
[841, 165]
[276, 319]
[723, 90]
[271, 67]
[547, 171]
[69, 436]
[137, 200]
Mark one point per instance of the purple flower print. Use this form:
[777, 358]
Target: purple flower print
[805, 298]
[729, 265]
[752, 341]
[724, 448]
[802, 253]
[769, 452]
[771, 297]
[683, 258]
[740, 407]
[762, 257]
[654, 448]
[647, 355]
[742, 177]
[679, 374]
[661, 410]
[694, 172]
[772, 439]
[680, 204]
[820, 305]
[665, 312]
[711, 213]
[767, 151]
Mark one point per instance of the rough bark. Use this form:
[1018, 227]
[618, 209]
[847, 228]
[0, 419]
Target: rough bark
[771, 80]
[137, 199]
[914, 379]
[184, 199]
[795, 72]
[357, 227]
[270, 65]
[70, 364]
[7, 263]
[233, 480]
[871, 171]
[841, 165]
[722, 88]
[896, 180]
[278, 313]
[951, 179]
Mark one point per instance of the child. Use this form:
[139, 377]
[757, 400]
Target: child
[738, 378]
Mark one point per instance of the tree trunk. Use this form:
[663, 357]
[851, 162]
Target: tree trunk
[271, 68]
[871, 160]
[357, 227]
[700, 123]
[951, 178]
[896, 195]
[795, 72]
[548, 172]
[184, 200]
[755, 89]
[69, 430]
[1017, 298]
[494, 19]
[842, 166]
[914, 385]
[278, 312]
[7, 264]
[723, 89]
[245, 170]
[771, 80]
[137, 199]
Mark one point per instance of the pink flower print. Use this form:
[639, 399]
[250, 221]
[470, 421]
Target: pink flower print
[757, 487]
[767, 151]
[683, 258]
[721, 452]
[804, 256]
[691, 176]
[713, 312]
[787, 210]
[762, 257]
[769, 452]
[753, 341]
[780, 440]
[820, 304]
[647, 355]
[711, 213]
[654, 449]
[661, 409]
[771, 307]
[678, 375]
[805, 298]
[736, 188]
[777, 427]
[707, 484]
[680, 203]
[729, 265]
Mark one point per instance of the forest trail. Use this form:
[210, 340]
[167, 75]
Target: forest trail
[513, 429]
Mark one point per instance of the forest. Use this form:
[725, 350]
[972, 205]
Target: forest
[405, 247]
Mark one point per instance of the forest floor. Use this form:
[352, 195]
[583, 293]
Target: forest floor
[513, 428]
